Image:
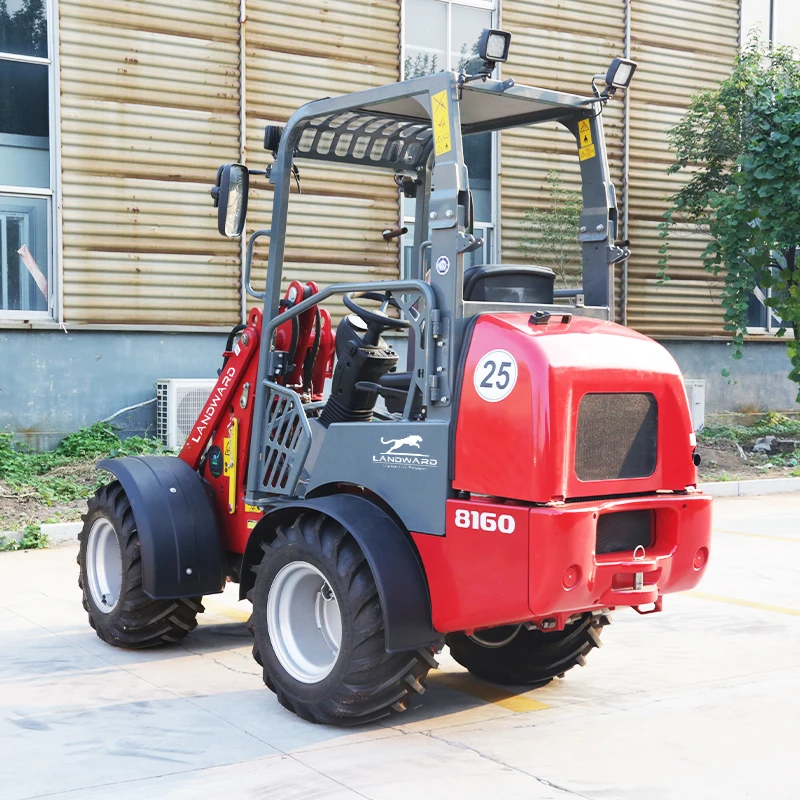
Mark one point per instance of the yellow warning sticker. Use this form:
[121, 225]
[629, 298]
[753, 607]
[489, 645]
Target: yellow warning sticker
[585, 133]
[251, 523]
[252, 509]
[587, 152]
[226, 455]
[441, 123]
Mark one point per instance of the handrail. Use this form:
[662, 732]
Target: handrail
[342, 288]
[249, 262]
[425, 334]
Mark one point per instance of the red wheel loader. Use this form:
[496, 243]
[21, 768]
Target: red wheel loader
[530, 468]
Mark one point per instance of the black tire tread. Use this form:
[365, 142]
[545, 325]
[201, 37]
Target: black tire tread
[376, 683]
[533, 657]
[141, 622]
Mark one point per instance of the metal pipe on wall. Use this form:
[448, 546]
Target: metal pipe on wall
[243, 135]
[772, 23]
[626, 156]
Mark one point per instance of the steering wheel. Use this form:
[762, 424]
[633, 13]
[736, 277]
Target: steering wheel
[376, 320]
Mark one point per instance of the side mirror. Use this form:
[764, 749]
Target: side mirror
[230, 198]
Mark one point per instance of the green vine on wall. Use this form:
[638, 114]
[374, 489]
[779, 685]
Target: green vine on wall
[739, 147]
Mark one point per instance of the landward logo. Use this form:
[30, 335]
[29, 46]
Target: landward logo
[395, 458]
[396, 444]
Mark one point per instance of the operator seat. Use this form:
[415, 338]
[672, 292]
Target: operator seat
[486, 283]
[509, 283]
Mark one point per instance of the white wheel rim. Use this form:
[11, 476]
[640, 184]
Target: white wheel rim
[305, 624]
[104, 565]
[494, 643]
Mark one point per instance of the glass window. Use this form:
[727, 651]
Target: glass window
[778, 20]
[761, 318]
[24, 245]
[23, 27]
[755, 14]
[24, 124]
[466, 25]
[426, 38]
[26, 205]
[787, 22]
[440, 35]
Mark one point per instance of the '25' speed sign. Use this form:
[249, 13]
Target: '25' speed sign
[495, 376]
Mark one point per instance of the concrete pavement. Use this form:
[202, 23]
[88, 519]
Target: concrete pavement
[701, 701]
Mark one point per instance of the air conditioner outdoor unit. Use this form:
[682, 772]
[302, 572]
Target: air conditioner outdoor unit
[179, 403]
[696, 392]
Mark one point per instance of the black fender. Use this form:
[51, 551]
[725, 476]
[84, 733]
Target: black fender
[176, 523]
[398, 571]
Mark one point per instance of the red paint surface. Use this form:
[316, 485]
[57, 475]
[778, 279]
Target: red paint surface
[523, 447]
[306, 336]
[483, 579]
[238, 369]
[225, 404]
[519, 448]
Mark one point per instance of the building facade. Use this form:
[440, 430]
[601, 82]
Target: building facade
[115, 117]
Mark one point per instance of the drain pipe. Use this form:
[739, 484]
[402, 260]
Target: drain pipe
[626, 163]
[771, 24]
[242, 138]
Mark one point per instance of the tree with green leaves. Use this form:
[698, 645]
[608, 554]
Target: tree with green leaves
[739, 145]
[551, 232]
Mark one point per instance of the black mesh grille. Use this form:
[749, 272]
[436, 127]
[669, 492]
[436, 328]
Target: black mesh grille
[617, 437]
[625, 530]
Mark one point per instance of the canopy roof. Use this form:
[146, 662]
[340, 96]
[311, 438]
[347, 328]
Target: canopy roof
[390, 127]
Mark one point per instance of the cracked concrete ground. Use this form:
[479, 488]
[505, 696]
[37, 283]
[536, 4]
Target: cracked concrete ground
[701, 701]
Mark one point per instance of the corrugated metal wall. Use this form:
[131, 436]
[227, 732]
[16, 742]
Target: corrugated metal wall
[149, 109]
[554, 46]
[301, 52]
[150, 104]
[682, 46]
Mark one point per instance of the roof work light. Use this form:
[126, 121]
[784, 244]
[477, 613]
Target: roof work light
[620, 73]
[492, 50]
[493, 46]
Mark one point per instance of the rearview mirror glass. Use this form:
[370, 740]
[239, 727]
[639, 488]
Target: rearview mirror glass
[233, 183]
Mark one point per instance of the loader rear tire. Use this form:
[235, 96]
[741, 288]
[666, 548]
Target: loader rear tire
[110, 577]
[521, 657]
[319, 628]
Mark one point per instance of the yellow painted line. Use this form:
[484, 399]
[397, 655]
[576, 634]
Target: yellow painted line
[460, 682]
[223, 610]
[464, 683]
[735, 601]
[758, 535]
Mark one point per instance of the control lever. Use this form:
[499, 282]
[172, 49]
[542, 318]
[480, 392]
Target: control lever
[618, 252]
[393, 233]
[467, 243]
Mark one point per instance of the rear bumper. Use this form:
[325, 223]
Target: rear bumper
[566, 575]
[503, 563]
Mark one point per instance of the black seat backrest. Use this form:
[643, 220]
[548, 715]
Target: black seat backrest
[509, 283]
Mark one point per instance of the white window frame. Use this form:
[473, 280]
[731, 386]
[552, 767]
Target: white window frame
[769, 329]
[52, 194]
[768, 16]
[492, 252]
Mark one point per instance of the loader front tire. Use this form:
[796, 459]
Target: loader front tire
[319, 628]
[516, 656]
[110, 577]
